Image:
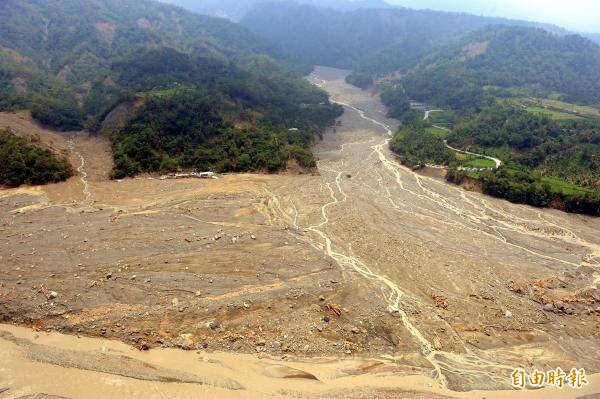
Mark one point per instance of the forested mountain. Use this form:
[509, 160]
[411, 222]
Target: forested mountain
[72, 63]
[76, 41]
[504, 60]
[546, 162]
[54, 53]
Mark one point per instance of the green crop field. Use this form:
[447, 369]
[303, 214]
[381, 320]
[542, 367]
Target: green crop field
[556, 115]
[557, 109]
[584, 110]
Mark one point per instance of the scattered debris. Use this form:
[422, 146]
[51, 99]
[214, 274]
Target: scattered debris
[185, 342]
[515, 287]
[192, 175]
[335, 308]
[481, 296]
[440, 301]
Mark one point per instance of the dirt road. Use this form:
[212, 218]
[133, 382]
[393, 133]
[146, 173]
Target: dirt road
[365, 275]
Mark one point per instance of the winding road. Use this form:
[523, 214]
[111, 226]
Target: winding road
[497, 161]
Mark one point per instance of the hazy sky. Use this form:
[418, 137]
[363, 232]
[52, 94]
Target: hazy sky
[577, 15]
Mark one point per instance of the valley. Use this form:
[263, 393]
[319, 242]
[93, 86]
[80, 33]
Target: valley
[364, 275]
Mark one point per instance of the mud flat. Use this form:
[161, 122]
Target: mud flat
[69, 367]
[366, 276]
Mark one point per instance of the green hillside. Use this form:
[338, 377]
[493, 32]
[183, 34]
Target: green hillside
[24, 161]
[506, 61]
[206, 113]
[565, 149]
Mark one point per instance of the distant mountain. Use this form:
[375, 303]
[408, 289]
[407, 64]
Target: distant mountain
[235, 10]
[507, 60]
[374, 41]
[172, 88]
[593, 36]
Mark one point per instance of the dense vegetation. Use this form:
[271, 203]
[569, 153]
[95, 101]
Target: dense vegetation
[212, 94]
[565, 149]
[24, 86]
[362, 80]
[23, 161]
[396, 101]
[547, 162]
[525, 187]
[207, 113]
[184, 129]
[416, 147]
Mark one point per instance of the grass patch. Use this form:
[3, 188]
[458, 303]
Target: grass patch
[436, 131]
[442, 118]
[479, 162]
[565, 187]
[473, 161]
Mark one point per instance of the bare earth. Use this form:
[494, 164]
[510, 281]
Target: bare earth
[373, 280]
